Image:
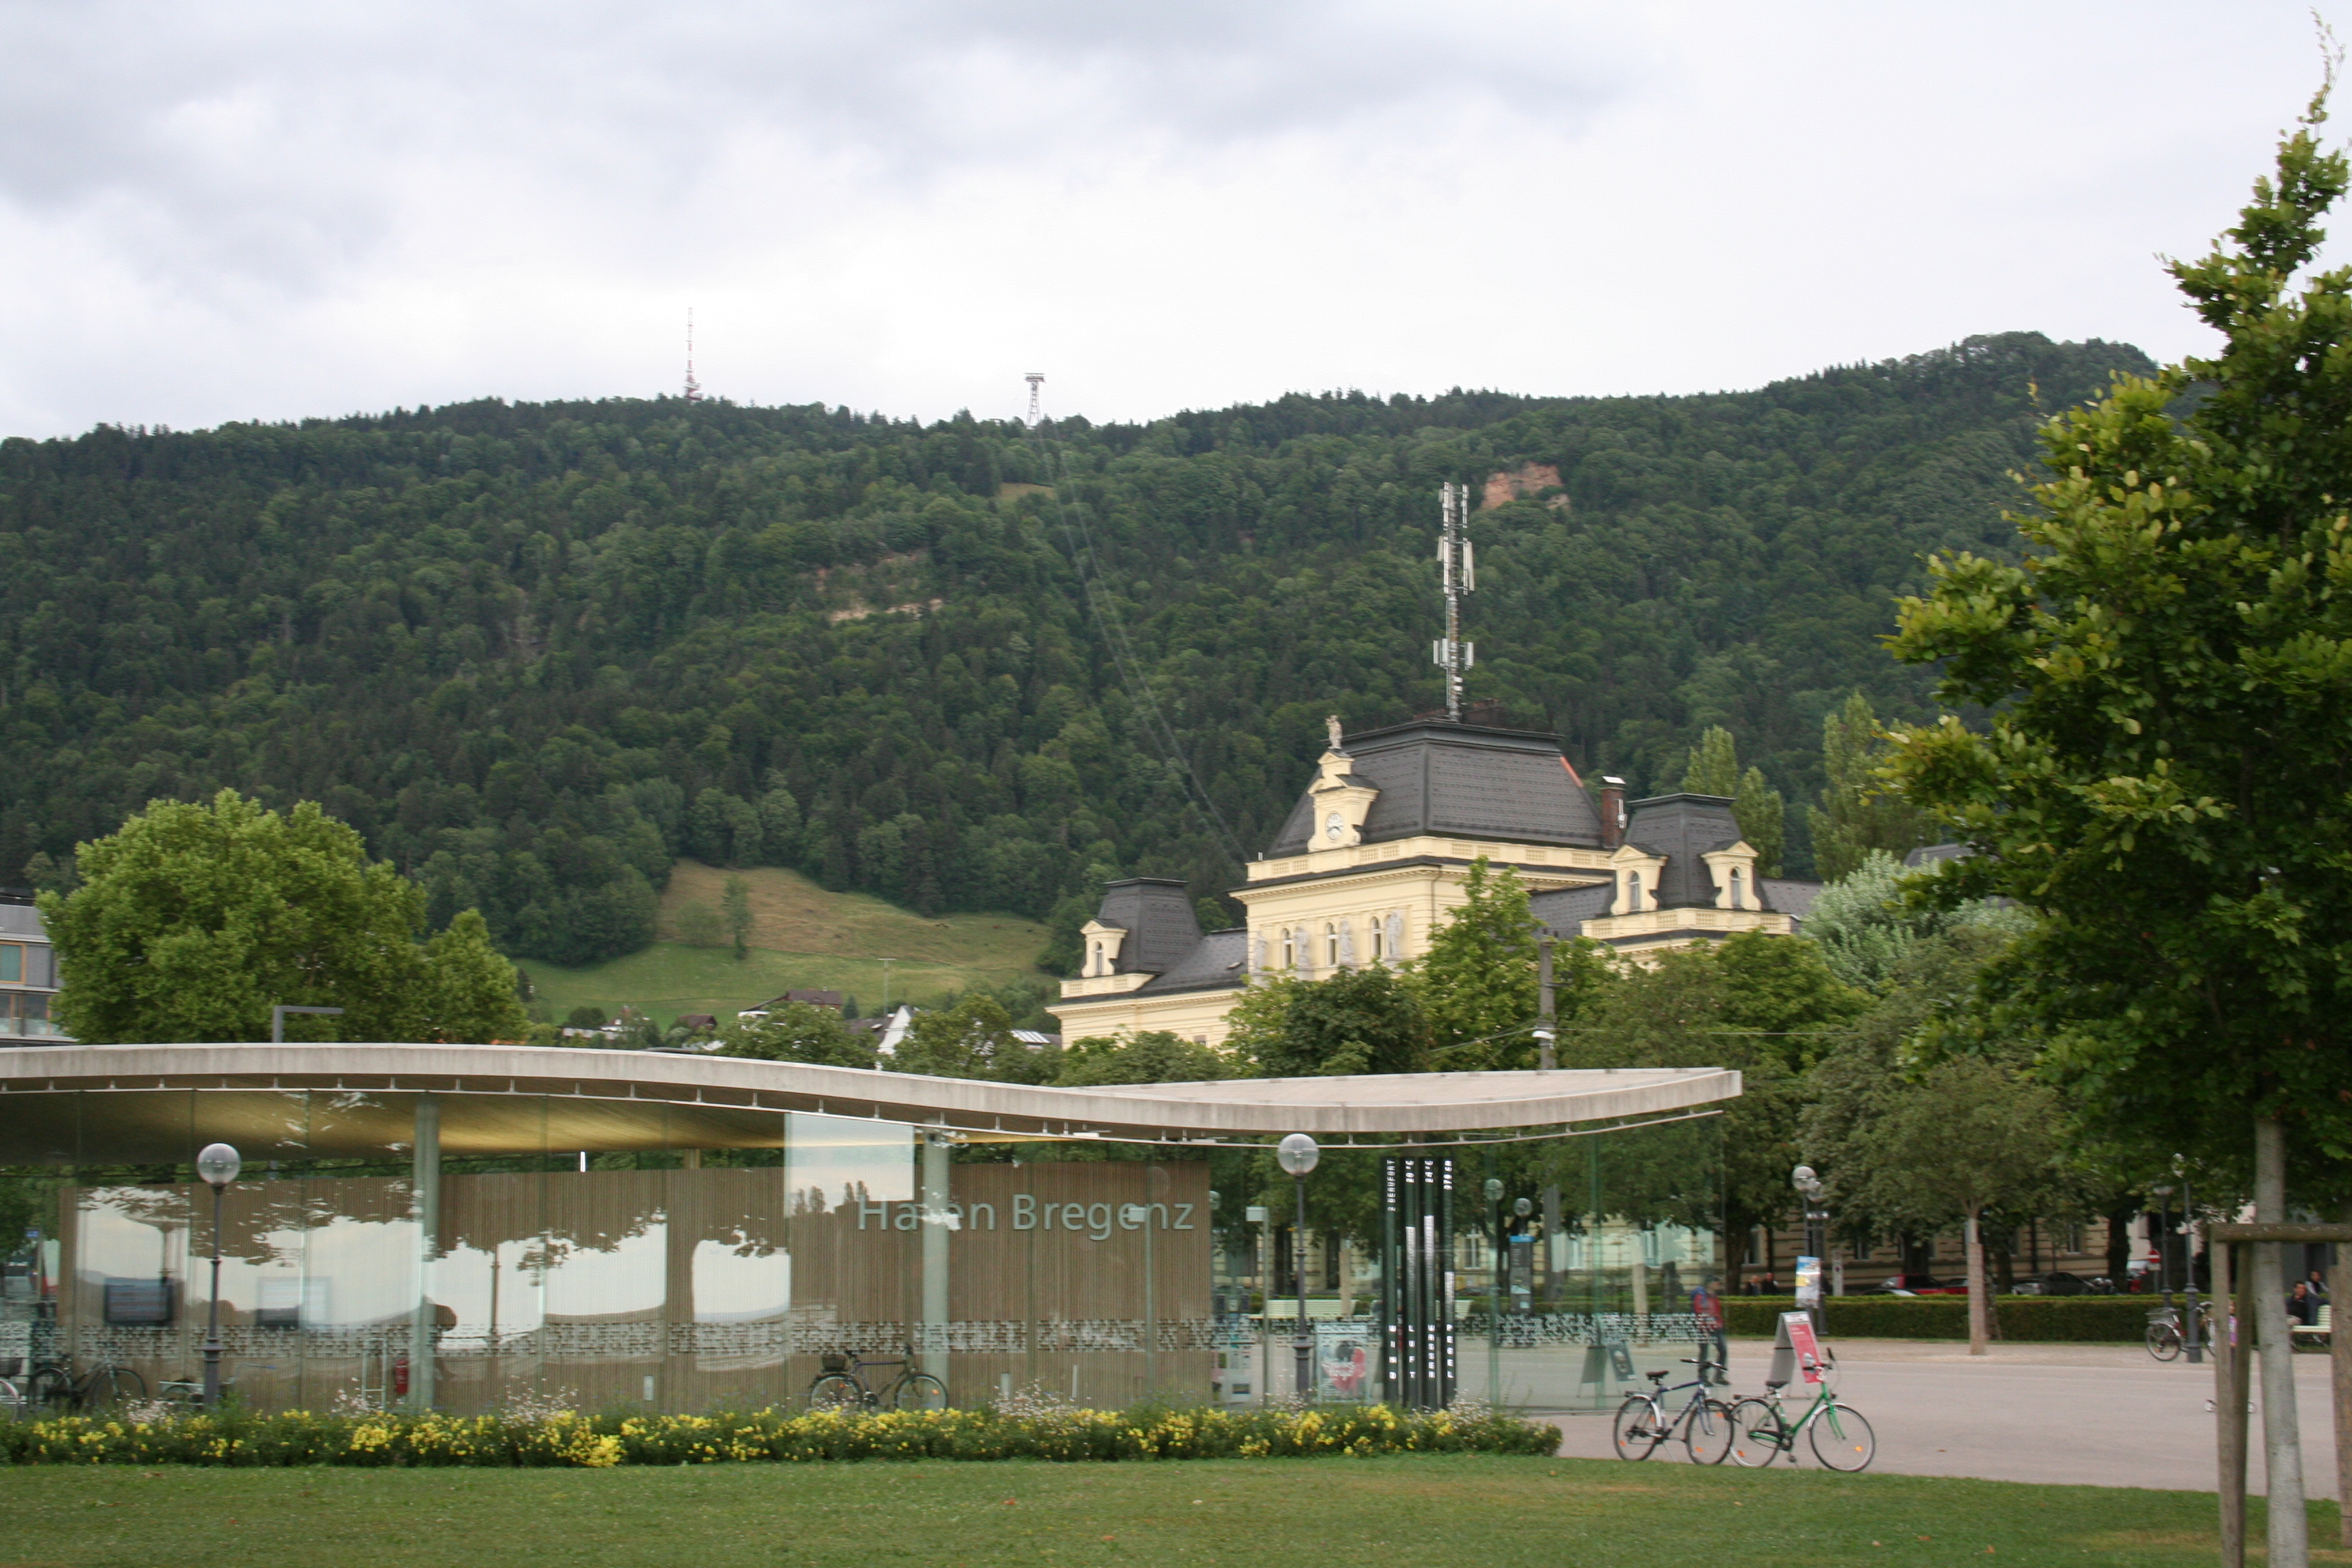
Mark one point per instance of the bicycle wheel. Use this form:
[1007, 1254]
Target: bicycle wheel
[1757, 1433]
[1636, 1429]
[836, 1391]
[50, 1392]
[1707, 1432]
[1842, 1439]
[115, 1387]
[919, 1391]
[2163, 1341]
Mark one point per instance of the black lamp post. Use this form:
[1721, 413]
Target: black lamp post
[2189, 1336]
[1810, 1187]
[1494, 1191]
[218, 1165]
[1297, 1154]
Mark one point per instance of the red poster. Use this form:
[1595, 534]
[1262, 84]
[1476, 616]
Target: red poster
[1800, 1328]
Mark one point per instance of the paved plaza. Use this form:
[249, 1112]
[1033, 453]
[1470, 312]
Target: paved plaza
[2083, 1415]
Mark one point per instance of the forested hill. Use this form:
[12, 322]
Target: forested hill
[536, 651]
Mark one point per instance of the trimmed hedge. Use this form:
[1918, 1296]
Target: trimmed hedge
[2023, 1319]
[594, 1442]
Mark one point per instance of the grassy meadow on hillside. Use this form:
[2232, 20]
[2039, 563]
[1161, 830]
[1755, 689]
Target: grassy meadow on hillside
[802, 938]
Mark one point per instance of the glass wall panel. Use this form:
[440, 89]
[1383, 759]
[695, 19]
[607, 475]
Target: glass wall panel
[696, 1260]
[851, 1230]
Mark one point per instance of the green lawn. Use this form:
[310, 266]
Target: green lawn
[1385, 1513]
[802, 938]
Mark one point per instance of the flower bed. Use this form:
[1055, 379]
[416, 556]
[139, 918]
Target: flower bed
[569, 1439]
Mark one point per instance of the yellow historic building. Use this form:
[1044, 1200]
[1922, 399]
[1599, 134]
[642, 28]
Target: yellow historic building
[1375, 857]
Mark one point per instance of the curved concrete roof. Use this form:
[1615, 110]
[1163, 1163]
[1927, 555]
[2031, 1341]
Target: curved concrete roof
[634, 1100]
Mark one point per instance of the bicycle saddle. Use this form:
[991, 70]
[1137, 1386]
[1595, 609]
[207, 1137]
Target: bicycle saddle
[1655, 1376]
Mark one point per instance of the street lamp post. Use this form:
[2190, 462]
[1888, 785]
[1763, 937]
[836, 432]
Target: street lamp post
[218, 1165]
[1494, 1190]
[1297, 1154]
[2189, 1337]
[1808, 1186]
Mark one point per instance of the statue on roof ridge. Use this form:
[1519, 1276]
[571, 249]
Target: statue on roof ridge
[1331, 727]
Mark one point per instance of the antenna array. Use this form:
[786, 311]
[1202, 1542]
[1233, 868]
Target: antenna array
[1460, 567]
[693, 387]
[1036, 379]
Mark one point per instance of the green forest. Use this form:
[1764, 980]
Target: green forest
[534, 653]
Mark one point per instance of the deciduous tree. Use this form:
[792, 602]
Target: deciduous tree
[194, 920]
[2162, 777]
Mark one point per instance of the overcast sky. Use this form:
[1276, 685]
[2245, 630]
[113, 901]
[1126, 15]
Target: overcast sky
[260, 209]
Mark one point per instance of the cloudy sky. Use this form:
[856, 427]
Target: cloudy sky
[261, 208]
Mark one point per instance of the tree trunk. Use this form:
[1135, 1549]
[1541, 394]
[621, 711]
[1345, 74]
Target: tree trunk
[2119, 1220]
[1974, 1232]
[2339, 1356]
[2289, 1527]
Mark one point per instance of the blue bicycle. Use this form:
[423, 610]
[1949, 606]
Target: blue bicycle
[1642, 1422]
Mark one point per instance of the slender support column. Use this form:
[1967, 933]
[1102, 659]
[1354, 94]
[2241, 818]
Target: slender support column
[933, 1206]
[1548, 1058]
[2289, 1527]
[426, 1201]
[212, 1315]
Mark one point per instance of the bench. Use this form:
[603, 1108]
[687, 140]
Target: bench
[2315, 1330]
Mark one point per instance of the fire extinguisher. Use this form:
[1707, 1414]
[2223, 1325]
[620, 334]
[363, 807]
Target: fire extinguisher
[400, 1378]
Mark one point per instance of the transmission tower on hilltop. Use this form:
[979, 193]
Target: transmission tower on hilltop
[1460, 567]
[1036, 379]
[693, 387]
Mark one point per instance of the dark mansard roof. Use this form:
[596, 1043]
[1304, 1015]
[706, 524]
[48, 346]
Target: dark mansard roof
[1443, 778]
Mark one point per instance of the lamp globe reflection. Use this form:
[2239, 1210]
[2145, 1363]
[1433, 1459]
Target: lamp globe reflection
[1297, 1154]
[218, 1164]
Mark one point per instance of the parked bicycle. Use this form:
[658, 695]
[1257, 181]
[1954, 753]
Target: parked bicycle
[2165, 1333]
[842, 1385]
[1761, 1431]
[54, 1390]
[1642, 1422]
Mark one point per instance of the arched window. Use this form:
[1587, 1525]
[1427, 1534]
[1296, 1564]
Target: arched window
[1289, 954]
[1094, 958]
[1379, 936]
[1330, 944]
[1632, 892]
[1735, 890]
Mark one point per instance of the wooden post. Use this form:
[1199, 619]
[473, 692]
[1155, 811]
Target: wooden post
[2231, 1373]
[2229, 1407]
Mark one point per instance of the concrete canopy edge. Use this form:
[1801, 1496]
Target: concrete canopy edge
[1422, 1104]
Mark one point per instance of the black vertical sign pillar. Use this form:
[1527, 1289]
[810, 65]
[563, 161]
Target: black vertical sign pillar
[1417, 1282]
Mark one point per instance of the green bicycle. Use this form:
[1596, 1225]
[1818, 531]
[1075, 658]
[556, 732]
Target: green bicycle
[1761, 1432]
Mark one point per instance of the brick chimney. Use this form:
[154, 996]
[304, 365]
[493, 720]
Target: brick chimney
[1613, 812]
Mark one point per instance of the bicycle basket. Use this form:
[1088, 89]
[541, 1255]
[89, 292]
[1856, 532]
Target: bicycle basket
[833, 1361]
